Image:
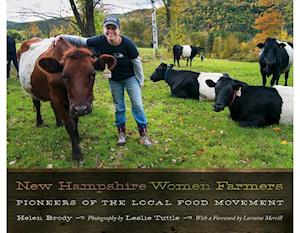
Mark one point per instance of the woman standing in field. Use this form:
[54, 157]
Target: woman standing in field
[128, 74]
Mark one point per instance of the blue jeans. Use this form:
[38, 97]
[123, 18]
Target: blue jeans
[134, 91]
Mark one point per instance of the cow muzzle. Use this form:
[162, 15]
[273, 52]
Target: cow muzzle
[218, 107]
[80, 109]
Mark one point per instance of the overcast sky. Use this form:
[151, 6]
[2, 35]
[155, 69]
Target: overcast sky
[63, 7]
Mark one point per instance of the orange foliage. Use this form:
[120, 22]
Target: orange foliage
[34, 30]
[267, 3]
[270, 24]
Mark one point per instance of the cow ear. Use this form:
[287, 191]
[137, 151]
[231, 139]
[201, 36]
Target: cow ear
[210, 83]
[281, 45]
[99, 64]
[260, 45]
[237, 86]
[50, 65]
[111, 62]
[170, 66]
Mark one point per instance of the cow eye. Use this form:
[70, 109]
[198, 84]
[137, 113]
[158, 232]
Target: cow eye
[65, 77]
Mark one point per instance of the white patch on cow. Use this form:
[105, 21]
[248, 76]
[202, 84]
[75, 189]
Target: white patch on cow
[287, 95]
[206, 92]
[28, 60]
[239, 92]
[260, 52]
[290, 52]
[186, 51]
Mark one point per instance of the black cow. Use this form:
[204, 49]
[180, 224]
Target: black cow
[253, 106]
[276, 57]
[184, 83]
[202, 54]
[11, 54]
[186, 51]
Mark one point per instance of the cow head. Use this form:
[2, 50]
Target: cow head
[226, 90]
[200, 49]
[77, 71]
[269, 53]
[160, 72]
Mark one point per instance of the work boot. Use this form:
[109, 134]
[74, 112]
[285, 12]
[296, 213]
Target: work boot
[122, 136]
[143, 137]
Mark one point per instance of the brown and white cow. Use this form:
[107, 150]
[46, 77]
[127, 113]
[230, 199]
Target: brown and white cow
[64, 75]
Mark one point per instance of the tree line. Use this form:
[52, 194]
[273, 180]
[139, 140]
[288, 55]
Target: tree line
[226, 29]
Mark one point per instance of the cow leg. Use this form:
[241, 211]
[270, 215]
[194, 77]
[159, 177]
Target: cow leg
[58, 120]
[264, 78]
[187, 62]
[15, 62]
[16, 65]
[71, 127]
[190, 62]
[286, 76]
[174, 61]
[180, 94]
[178, 62]
[254, 122]
[8, 68]
[76, 120]
[275, 78]
[37, 105]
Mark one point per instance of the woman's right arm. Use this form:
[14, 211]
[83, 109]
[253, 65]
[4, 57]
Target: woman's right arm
[75, 40]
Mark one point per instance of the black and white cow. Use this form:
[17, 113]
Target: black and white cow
[186, 84]
[276, 57]
[253, 106]
[11, 55]
[186, 51]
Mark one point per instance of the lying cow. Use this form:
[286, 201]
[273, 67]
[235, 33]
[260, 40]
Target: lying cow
[186, 51]
[276, 57]
[186, 84]
[11, 55]
[253, 106]
[63, 75]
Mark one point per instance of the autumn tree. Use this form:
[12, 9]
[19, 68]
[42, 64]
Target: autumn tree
[176, 35]
[217, 47]
[270, 23]
[230, 46]
[34, 30]
[134, 30]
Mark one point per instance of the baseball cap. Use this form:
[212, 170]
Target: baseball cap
[111, 19]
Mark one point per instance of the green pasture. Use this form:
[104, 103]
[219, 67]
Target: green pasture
[187, 133]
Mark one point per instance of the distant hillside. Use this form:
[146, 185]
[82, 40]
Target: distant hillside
[135, 24]
[43, 25]
[142, 15]
[14, 25]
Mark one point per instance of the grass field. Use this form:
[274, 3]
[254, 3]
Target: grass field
[187, 133]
